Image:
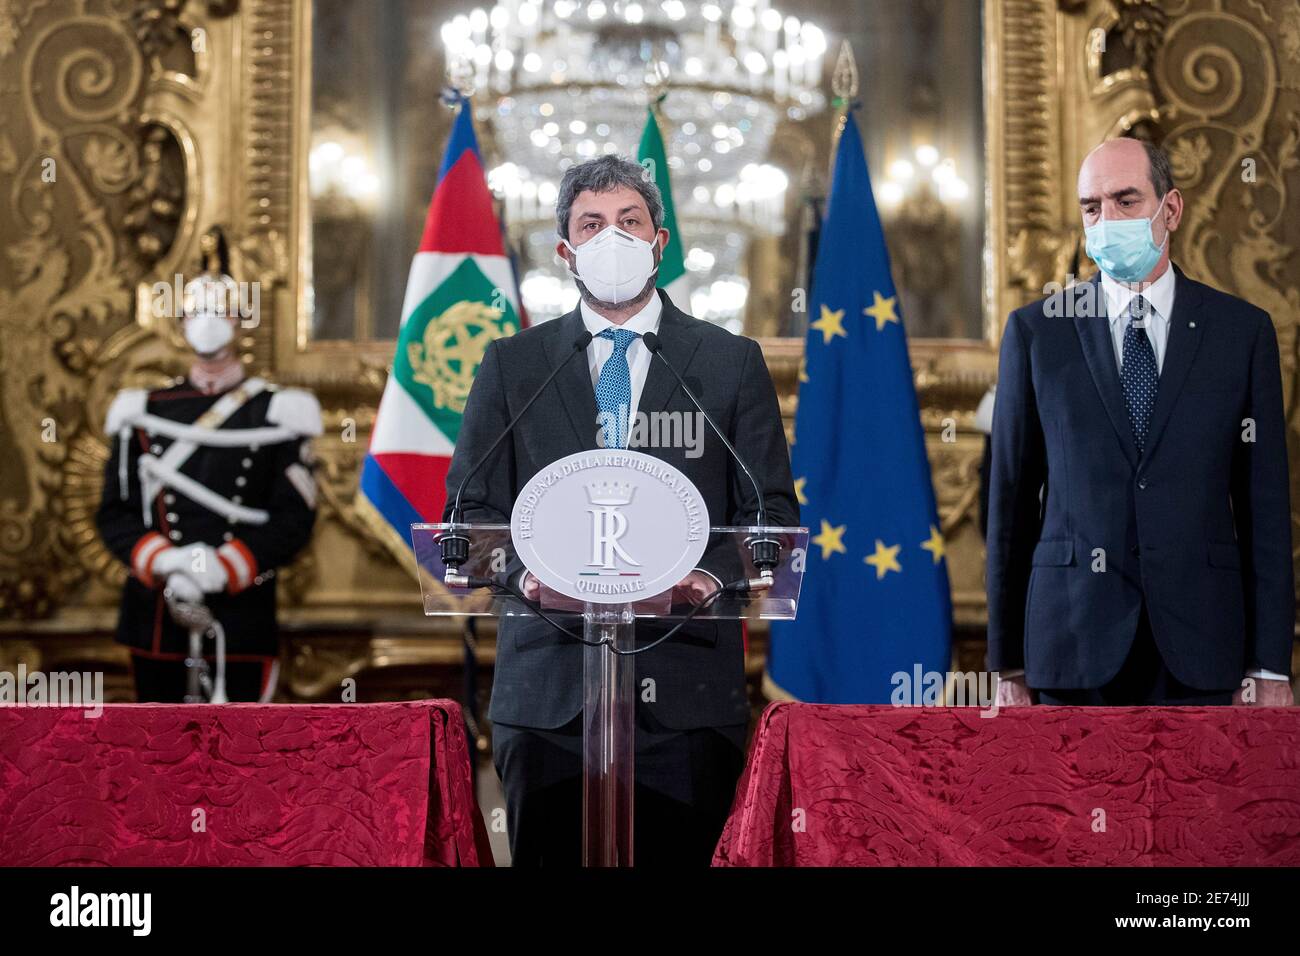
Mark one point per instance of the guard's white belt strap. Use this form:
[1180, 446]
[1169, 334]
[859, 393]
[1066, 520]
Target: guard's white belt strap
[154, 473]
[214, 438]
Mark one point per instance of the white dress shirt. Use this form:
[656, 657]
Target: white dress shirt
[638, 356]
[1160, 300]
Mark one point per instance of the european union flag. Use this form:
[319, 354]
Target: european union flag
[875, 598]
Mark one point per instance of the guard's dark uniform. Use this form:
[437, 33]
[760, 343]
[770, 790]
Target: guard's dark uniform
[273, 479]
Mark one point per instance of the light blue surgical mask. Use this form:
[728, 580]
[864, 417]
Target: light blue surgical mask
[1125, 249]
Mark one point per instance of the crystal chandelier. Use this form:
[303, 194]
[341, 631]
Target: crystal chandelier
[571, 80]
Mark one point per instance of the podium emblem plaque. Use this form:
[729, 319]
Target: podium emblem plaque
[646, 526]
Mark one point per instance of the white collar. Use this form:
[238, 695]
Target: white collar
[646, 320]
[1159, 295]
[210, 383]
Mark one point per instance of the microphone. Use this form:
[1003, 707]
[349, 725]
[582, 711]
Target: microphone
[455, 544]
[765, 551]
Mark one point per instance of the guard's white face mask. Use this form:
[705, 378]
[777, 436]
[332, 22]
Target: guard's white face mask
[208, 332]
[614, 265]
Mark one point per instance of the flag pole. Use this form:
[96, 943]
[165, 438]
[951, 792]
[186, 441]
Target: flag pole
[844, 84]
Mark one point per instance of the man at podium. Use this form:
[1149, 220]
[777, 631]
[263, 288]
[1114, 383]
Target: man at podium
[692, 708]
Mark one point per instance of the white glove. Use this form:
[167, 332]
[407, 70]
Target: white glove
[209, 573]
[181, 587]
[199, 562]
[173, 560]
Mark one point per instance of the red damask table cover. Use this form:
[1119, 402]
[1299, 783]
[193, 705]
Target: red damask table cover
[239, 785]
[1059, 786]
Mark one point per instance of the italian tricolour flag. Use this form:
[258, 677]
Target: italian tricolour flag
[672, 264]
[460, 295]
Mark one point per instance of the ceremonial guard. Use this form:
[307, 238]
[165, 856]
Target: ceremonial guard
[208, 490]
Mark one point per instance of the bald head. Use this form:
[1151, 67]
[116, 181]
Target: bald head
[1127, 179]
[1123, 178]
[1127, 155]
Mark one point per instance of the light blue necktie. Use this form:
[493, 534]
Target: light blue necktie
[614, 388]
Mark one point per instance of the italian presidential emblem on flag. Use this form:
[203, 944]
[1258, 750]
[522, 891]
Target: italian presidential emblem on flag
[460, 295]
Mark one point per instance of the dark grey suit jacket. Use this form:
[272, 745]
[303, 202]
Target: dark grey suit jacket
[698, 675]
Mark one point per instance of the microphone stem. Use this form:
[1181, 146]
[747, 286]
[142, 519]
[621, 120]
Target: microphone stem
[762, 509]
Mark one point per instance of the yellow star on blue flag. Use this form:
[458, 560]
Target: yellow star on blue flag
[876, 600]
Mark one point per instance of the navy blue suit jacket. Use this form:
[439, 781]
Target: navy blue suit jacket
[1083, 530]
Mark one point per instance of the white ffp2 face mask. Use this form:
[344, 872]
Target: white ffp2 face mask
[614, 265]
[208, 332]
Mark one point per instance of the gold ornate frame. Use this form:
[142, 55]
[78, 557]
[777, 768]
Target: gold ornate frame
[1214, 79]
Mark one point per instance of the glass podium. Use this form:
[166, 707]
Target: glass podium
[609, 641]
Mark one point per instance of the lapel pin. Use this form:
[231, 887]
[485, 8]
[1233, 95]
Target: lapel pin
[1191, 325]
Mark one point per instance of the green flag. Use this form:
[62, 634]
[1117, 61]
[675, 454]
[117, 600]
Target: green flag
[672, 266]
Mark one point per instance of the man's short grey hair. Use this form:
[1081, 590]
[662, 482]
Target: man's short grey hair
[1162, 174]
[600, 175]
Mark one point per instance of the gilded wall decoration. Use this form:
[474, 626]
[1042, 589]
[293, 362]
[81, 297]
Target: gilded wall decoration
[155, 136]
[1227, 80]
[70, 143]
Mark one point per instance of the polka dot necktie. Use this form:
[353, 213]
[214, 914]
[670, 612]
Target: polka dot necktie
[614, 388]
[1138, 370]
